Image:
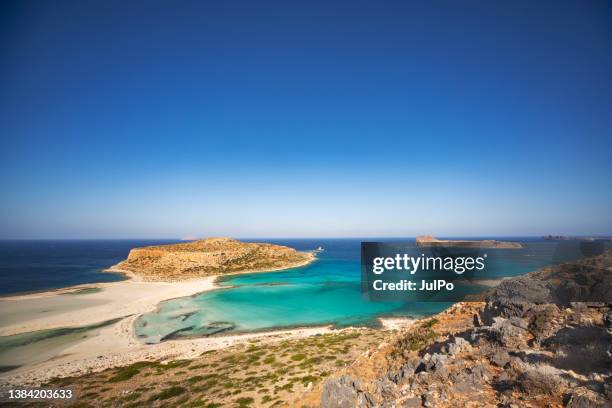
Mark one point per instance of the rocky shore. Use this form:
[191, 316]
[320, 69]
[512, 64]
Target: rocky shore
[540, 340]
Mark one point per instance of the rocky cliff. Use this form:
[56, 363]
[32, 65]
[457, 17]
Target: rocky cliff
[212, 256]
[531, 343]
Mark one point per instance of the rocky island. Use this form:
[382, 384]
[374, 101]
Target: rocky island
[208, 257]
[429, 241]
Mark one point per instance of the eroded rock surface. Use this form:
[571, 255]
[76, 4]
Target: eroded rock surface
[537, 341]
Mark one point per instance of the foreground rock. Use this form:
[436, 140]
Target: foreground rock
[429, 241]
[529, 344]
[212, 256]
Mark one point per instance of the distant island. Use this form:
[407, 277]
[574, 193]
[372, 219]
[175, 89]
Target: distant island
[568, 238]
[208, 257]
[429, 241]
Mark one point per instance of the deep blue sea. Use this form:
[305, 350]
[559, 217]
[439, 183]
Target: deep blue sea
[28, 266]
[327, 291]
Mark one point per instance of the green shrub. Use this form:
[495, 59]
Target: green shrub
[244, 402]
[168, 393]
[298, 357]
[414, 341]
[195, 379]
[124, 374]
[430, 323]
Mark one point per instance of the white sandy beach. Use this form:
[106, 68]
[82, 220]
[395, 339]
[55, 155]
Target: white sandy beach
[66, 308]
[112, 345]
[52, 309]
[115, 344]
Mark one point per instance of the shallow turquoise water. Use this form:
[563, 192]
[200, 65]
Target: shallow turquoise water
[325, 292]
[38, 346]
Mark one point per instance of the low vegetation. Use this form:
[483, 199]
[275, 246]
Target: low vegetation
[254, 374]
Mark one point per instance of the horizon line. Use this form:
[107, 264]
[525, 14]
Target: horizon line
[308, 237]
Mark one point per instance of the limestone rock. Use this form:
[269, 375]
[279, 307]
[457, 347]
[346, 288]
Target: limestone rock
[582, 401]
[501, 358]
[344, 392]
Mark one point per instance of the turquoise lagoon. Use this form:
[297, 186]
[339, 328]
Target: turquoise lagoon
[327, 291]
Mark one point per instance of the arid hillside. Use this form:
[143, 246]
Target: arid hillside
[540, 340]
[212, 256]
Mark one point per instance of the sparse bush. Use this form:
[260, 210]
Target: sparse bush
[195, 379]
[125, 373]
[413, 341]
[430, 323]
[132, 397]
[244, 402]
[168, 393]
[540, 379]
[298, 357]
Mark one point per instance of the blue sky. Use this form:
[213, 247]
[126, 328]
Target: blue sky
[298, 119]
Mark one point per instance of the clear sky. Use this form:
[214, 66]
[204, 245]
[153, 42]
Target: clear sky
[298, 119]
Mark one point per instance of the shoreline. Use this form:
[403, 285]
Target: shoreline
[133, 277]
[119, 299]
[116, 344]
[51, 310]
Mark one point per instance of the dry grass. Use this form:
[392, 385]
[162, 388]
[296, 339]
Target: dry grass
[255, 374]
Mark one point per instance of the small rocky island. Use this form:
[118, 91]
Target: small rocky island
[429, 241]
[207, 257]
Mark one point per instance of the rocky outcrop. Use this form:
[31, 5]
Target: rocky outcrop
[527, 345]
[532, 295]
[346, 392]
[212, 256]
[429, 241]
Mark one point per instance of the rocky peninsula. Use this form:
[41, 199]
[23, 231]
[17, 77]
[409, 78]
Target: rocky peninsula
[208, 257]
[430, 241]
